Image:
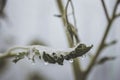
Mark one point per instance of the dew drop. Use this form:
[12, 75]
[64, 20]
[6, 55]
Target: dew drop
[46, 63]
[71, 60]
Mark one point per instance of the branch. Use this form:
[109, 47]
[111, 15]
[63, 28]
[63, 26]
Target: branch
[47, 54]
[102, 43]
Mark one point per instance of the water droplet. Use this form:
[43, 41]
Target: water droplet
[71, 60]
[46, 63]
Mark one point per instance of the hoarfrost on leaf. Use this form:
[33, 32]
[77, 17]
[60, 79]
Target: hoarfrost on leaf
[48, 54]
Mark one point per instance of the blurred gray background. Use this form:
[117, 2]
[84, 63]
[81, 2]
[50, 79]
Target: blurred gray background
[29, 20]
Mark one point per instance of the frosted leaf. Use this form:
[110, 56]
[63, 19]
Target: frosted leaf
[50, 55]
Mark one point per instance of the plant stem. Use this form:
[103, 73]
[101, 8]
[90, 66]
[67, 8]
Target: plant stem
[6, 55]
[76, 66]
[61, 10]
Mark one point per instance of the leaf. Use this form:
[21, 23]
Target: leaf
[80, 50]
[111, 43]
[105, 59]
[18, 57]
[48, 58]
[60, 60]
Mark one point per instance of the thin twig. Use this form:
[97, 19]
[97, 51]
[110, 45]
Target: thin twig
[61, 9]
[105, 10]
[73, 12]
[75, 24]
[115, 9]
[65, 14]
[71, 29]
[68, 24]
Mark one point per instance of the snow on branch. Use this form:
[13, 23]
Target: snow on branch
[47, 54]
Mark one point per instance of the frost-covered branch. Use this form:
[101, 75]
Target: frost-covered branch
[46, 54]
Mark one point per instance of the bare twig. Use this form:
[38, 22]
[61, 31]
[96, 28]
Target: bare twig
[70, 28]
[105, 10]
[115, 9]
[62, 11]
[73, 12]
